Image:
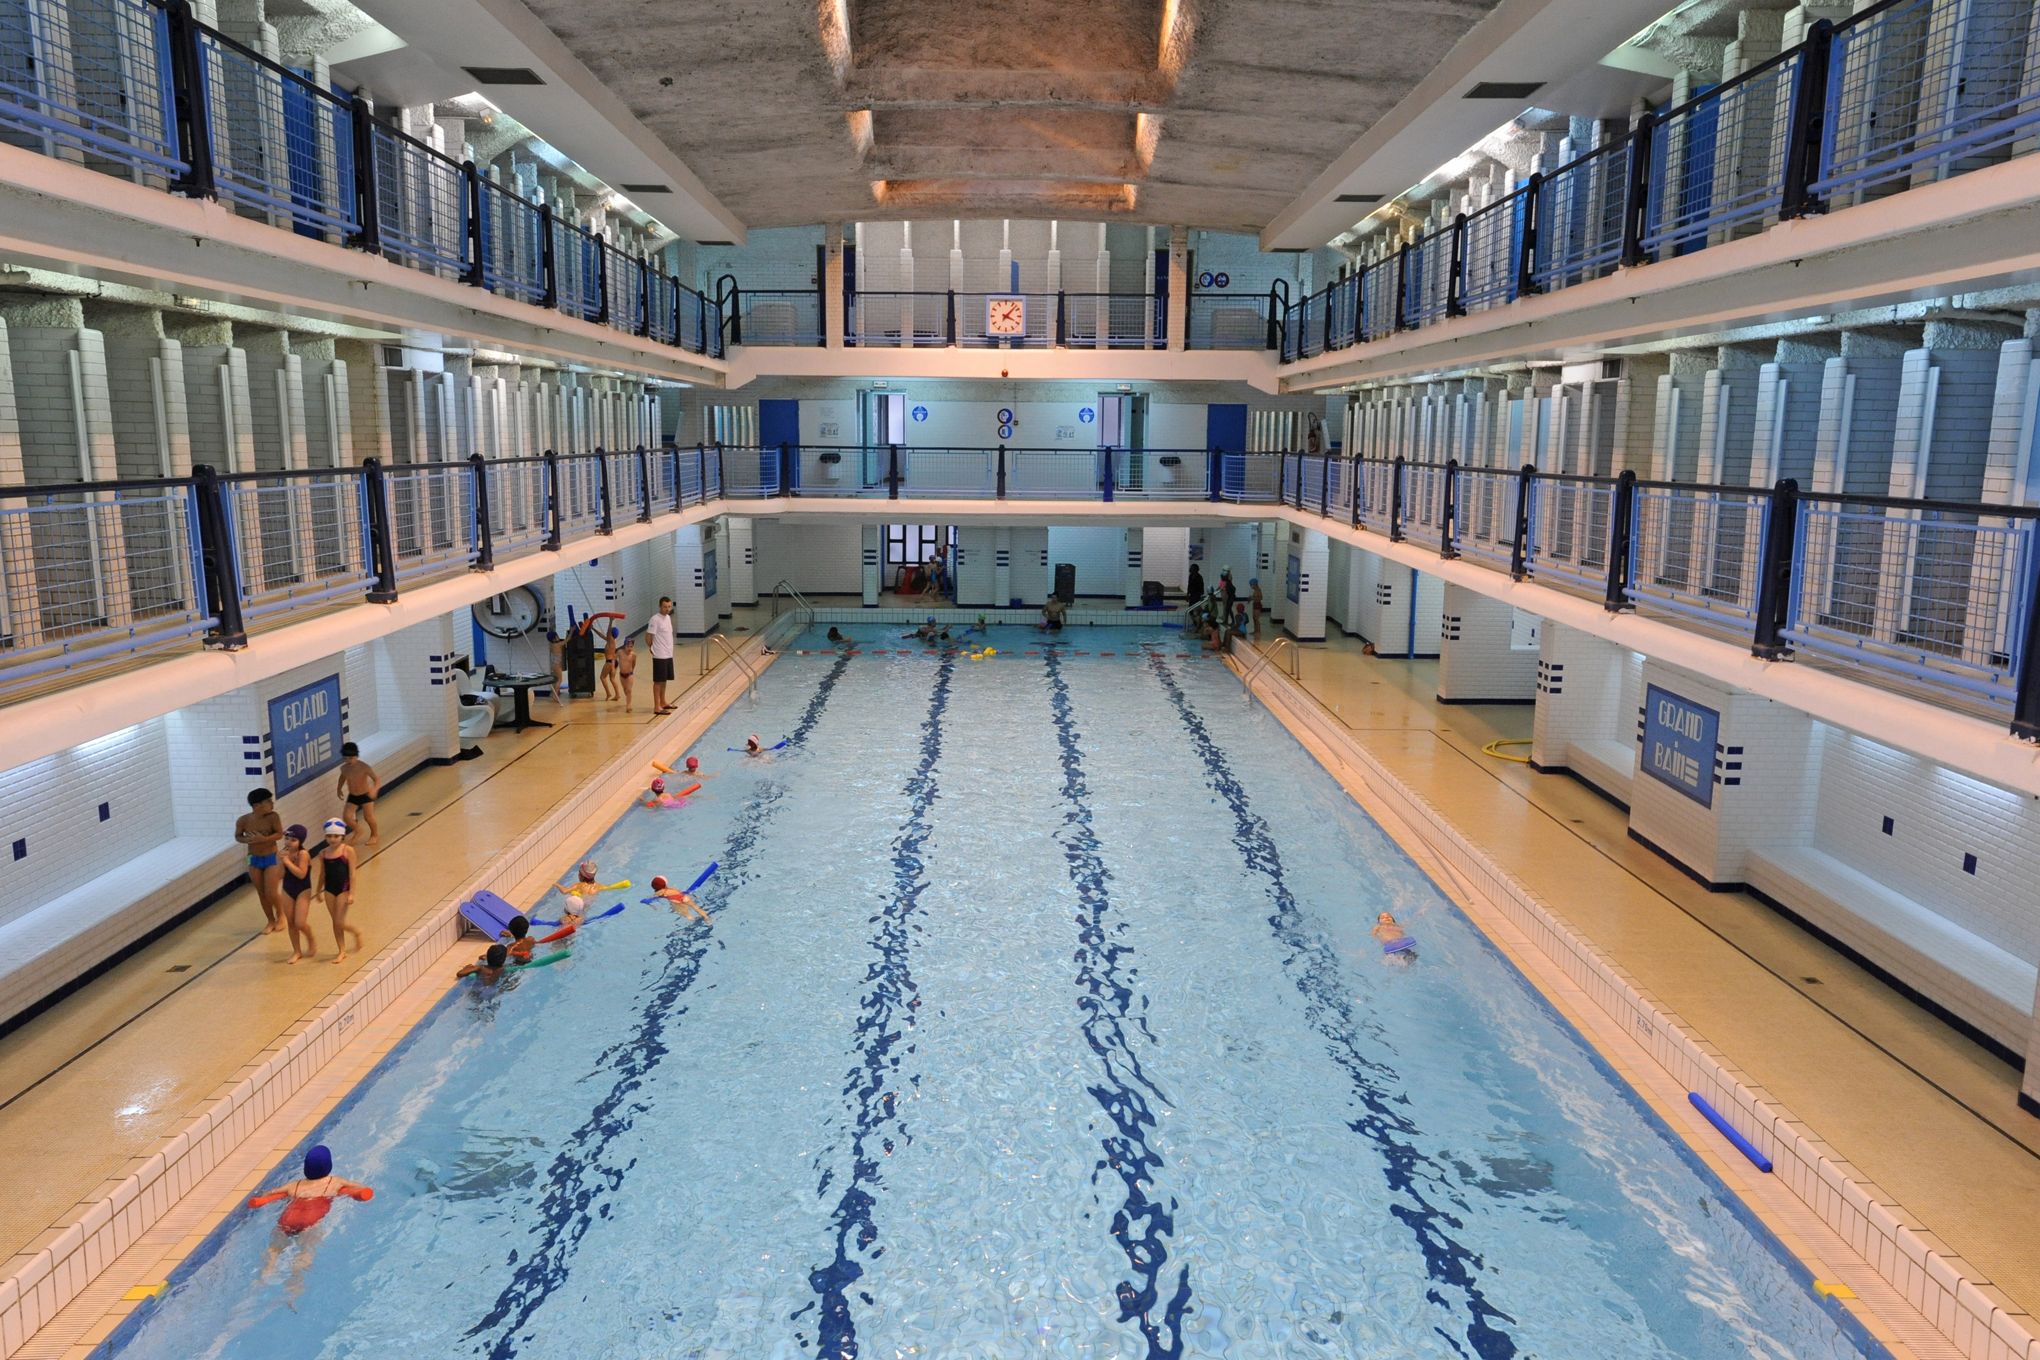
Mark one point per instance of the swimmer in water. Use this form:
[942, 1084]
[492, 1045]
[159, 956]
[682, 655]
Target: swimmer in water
[584, 885]
[1388, 930]
[836, 634]
[488, 969]
[753, 746]
[683, 902]
[694, 764]
[659, 798]
[309, 1200]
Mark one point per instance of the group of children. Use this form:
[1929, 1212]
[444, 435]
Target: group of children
[290, 871]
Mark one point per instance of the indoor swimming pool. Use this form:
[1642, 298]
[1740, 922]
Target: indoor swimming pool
[1039, 1015]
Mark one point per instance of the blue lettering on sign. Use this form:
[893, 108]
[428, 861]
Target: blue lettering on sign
[1086, 414]
[1220, 280]
[1294, 585]
[1678, 743]
[920, 413]
[305, 732]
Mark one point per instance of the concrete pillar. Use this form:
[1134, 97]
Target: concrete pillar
[1588, 692]
[693, 615]
[1134, 571]
[1002, 567]
[1179, 286]
[742, 563]
[1304, 584]
[874, 553]
[832, 285]
[1484, 655]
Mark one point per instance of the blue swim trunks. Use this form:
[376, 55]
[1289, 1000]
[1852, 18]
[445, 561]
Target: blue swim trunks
[262, 861]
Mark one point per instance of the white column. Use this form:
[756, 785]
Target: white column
[1483, 656]
[741, 560]
[691, 616]
[1002, 567]
[873, 546]
[1310, 551]
[1134, 539]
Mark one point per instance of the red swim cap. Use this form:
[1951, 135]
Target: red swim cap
[658, 883]
[693, 764]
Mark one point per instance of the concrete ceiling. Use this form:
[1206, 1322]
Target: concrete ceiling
[1207, 113]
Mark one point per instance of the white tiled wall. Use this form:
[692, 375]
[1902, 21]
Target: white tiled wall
[52, 836]
[819, 559]
[1477, 656]
[1587, 696]
[1099, 555]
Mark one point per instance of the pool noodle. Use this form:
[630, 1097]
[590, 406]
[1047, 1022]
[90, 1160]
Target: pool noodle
[786, 741]
[1742, 1144]
[489, 913]
[586, 919]
[1397, 946]
[704, 876]
[662, 769]
[549, 958]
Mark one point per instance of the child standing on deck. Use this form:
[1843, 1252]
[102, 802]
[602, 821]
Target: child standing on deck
[336, 883]
[297, 892]
[609, 690]
[626, 667]
[360, 786]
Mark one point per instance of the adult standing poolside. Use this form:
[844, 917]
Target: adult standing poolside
[659, 638]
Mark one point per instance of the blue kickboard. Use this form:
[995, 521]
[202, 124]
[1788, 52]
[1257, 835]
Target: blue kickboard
[489, 913]
[1398, 946]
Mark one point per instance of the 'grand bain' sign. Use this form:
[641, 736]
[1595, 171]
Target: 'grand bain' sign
[305, 733]
[1678, 743]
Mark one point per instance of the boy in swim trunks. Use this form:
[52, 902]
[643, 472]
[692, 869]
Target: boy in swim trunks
[609, 666]
[360, 786]
[309, 1200]
[488, 968]
[626, 670]
[260, 829]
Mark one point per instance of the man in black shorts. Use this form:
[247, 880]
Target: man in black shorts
[659, 639]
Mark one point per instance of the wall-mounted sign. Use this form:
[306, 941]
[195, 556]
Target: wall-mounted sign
[1065, 432]
[1005, 432]
[305, 732]
[920, 413]
[1293, 587]
[1678, 743]
[830, 429]
[709, 575]
[1086, 414]
[1221, 280]
[1204, 279]
[1005, 415]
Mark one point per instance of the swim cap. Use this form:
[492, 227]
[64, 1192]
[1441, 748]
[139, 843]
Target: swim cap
[693, 764]
[520, 926]
[335, 827]
[296, 831]
[658, 786]
[658, 883]
[588, 870]
[318, 1163]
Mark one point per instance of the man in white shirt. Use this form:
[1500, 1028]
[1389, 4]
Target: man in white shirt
[659, 637]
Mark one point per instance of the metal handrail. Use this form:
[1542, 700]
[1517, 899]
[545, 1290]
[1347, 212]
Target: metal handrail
[1264, 655]
[803, 601]
[706, 651]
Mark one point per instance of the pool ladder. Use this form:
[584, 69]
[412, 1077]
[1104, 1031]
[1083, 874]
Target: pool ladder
[794, 595]
[708, 645]
[1262, 658]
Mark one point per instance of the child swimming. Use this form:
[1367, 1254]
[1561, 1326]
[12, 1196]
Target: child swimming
[683, 902]
[308, 1201]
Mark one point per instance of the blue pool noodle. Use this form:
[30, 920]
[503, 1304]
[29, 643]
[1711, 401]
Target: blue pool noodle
[1397, 946]
[596, 917]
[704, 875]
[1742, 1144]
[788, 741]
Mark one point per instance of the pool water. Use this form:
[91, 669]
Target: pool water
[1039, 1016]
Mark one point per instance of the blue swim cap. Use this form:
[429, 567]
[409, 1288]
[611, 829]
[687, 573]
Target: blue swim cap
[318, 1163]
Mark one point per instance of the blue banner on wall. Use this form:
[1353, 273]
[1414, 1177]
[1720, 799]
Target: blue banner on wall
[1678, 743]
[1293, 587]
[305, 732]
[708, 574]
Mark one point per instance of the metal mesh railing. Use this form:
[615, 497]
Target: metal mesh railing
[1377, 300]
[625, 281]
[628, 489]
[1423, 504]
[577, 271]
[1695, 549]
[1226, 321]
[421, 198]
[1718, 161]
[432, 518]
[1427, 277]
[298, 537]
[513, 244]
[1484, 514]
[1117, 321]
[1376, 487]
[90, 80]
[1935, 594]
[1580, 208]
[282, 146]
[966, 473]
[779, 316]
[1491, 248]
[94, 573]
[580, 505]
[906, 320]
[517, 506]
[1569, 533]
[1053, 474]
[1920, 90]
[749, 470]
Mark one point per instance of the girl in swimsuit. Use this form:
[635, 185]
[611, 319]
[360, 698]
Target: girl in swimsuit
[307, 1202]
[297, 893]
[336, 864]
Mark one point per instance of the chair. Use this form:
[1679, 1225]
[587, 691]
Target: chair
[477, 711]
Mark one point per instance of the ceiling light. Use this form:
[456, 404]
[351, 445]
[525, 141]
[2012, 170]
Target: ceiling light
[645, 188]
[1359, 198]
[1504, 89]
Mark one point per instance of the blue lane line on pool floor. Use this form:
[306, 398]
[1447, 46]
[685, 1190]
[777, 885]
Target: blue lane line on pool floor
[579, 1181]
[1141, 1225]
[1314, 968]
[885, 1016]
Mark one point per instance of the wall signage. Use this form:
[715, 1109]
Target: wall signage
[920, 413]
[709, 572]
[1086, 414]
[1678, 743]
[1293, 587]
[1221, 280]
[1204, 279]
[305, 732]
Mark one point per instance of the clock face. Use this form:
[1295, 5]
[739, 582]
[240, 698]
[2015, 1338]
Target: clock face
[1005, 316]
